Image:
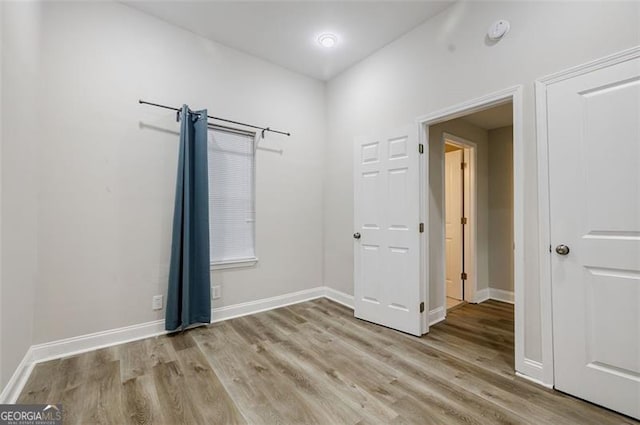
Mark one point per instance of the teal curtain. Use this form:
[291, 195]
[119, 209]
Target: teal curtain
[188, 297]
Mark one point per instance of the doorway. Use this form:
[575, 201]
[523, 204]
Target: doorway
[471, 213]
[477, 286]
[459, 173]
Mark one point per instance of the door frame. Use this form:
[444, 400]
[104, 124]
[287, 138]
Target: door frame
[515, 96]
[544, 204]
[470, 178]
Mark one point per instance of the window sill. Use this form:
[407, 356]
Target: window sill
[234, 264]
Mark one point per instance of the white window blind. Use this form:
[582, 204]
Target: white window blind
[231, 196]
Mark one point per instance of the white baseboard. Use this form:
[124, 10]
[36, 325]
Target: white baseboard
[437, 315]
[12, 390]
[339, 297]
[493, 294]
[80, 344]
[501, 295]
[71, 346]
[480, 296]
[265, 304]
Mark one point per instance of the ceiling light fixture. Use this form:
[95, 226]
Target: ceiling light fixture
[327, 40]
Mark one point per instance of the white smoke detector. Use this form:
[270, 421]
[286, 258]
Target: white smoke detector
[498, 29]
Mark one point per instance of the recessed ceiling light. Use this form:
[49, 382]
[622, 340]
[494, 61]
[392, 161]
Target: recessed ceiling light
[327, 40]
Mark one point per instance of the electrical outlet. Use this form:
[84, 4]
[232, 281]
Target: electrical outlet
[216, 292]
[156, 302]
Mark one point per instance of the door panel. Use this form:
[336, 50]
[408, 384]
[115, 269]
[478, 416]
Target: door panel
[371, 260]
[386, 212]
[594, 172]
[453, 226]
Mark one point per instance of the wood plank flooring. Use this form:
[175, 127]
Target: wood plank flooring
[311, 363]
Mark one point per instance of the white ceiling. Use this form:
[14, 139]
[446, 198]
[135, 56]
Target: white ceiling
[489, 119]
[285, 33]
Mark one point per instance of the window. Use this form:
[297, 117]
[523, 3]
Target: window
[231, 159]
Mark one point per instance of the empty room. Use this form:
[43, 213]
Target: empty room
[319, 212]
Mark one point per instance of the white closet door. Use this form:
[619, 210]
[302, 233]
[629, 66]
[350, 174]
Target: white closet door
[594, 172]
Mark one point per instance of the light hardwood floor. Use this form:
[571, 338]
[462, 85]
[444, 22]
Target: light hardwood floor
[311, 363]
[452, 303]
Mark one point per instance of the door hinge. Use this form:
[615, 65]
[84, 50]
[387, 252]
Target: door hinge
[420, 148]
[421, 227]
[463, 165]
[422, 307]
[463, 220]
[463, 276]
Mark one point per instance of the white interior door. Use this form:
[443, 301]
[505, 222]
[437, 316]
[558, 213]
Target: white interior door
[594, 175]
[453, 224]
[386, 219]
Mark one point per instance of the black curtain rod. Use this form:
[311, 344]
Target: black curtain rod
[263, 129]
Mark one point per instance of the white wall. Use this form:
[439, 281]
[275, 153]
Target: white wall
[500, 225]
[19, 215]
[445, 61]
[103, 167]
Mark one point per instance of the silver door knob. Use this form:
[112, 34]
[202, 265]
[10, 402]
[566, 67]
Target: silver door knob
[562, 249]
[356, 235]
